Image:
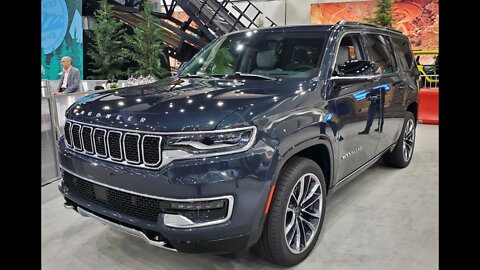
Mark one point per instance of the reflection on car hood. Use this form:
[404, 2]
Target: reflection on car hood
[174, 104]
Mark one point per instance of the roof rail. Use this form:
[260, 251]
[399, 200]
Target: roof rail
[344, 22]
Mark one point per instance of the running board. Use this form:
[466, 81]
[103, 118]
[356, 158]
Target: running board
[365, 166]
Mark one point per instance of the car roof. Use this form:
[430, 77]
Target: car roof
[327, 27]
[290, 28]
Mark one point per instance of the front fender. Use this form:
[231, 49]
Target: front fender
[292, 145]
[285, 151]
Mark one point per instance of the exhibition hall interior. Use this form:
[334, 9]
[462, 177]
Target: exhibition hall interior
[231, 134]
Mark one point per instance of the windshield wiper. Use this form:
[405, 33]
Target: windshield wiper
[250, 75]
[236, 74]
[202, 76]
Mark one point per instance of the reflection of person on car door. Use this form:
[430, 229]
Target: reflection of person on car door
[377, 103]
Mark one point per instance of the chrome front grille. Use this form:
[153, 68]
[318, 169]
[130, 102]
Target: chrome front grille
[119, 146]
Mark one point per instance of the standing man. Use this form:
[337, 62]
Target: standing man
[70, 81]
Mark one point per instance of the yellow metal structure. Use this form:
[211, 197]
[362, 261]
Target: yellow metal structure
[422, 69]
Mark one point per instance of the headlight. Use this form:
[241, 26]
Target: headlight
[221, 141]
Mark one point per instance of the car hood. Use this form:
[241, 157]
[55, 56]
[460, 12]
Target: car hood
[175, 104]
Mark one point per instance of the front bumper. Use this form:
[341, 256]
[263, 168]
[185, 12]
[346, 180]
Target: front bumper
[248, 185]
[228, 245]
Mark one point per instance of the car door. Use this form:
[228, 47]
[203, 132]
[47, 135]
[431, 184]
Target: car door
[390, 88]
[356, 107]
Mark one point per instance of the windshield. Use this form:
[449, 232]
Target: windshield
[269, 54]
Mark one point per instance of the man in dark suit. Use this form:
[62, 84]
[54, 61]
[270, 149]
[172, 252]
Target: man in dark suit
[70, 81]
[377, 104]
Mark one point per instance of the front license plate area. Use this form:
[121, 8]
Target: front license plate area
[100, 193]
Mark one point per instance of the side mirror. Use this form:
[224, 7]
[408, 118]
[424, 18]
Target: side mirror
[357, 68]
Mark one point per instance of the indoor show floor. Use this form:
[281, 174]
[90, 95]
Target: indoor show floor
[384, 219]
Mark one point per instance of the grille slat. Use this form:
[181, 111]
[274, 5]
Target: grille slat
[87, 139]
[130, 148]
[151, 149]
[99, 141]
[77, 143]
[114, 142]
[68, 137]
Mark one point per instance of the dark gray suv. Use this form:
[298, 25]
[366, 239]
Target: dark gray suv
[242, 147]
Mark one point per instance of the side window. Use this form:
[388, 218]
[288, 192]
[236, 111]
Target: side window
[403, 52]
[380, 52]
[350, 49]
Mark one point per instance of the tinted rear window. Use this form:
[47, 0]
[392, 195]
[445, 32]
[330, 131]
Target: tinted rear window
[403, 52]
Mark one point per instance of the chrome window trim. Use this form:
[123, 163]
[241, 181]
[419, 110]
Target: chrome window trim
[91, 139]
[365, 77]
[160, 158]
[119, 144]
[80, 137]
[104, 143]
[70, 133]
[230, 199]
[338, 40]
[167, 156]
[138, 148]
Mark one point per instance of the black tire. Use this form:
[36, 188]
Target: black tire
[272, 245]
[396, 157]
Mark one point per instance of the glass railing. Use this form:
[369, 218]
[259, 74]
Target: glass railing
[48, 146]
[53, 116]
[53, 120]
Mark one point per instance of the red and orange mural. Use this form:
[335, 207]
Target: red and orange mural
[418, 19]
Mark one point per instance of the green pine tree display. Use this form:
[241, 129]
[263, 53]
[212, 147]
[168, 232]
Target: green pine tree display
[146, 45]
[383, 13]
[55, 67]
[260, 22]
[76, 52]
[108, 52]
[77, 55]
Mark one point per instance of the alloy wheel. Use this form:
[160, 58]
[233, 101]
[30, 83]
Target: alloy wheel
[303, 212]
[408, 140]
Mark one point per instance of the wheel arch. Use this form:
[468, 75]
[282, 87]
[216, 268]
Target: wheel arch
[413, 108]
[310, 148]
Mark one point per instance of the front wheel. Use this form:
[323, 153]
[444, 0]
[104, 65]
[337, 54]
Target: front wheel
[296, 214]
[402, 154]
